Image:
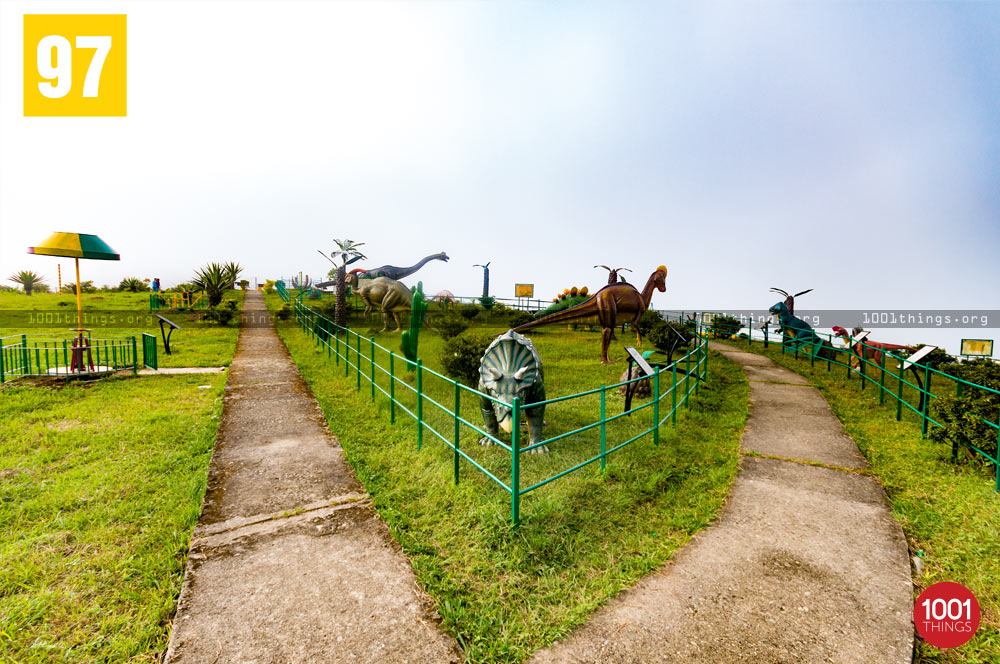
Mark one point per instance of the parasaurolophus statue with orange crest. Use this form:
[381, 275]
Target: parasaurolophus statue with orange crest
[605, 307]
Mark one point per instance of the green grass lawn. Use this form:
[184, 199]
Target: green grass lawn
[949, 511]
[51, 315]
[504, 593]
[100, 486]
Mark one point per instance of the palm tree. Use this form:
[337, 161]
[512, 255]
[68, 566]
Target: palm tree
[28, 279]
[348, 252]
[214, 279]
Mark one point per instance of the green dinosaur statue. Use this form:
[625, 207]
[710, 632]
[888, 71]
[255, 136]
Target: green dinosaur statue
[606, 305]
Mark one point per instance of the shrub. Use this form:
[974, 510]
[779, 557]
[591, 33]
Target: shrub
[29, 280]
[962, 416]
[461, 355]
[468, 311]
[664, 336]
[214, 280]
[936, 359]
[244, 284]
[85, 287]
[221, 314]
[269, 286]
[133, 285]
[519, 318]
[724, 326]
[450, 326]
[649, 321]
[285, 312]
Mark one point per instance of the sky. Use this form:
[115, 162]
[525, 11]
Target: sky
[851, 148]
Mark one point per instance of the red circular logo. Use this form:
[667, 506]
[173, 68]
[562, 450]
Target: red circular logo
[946, 614]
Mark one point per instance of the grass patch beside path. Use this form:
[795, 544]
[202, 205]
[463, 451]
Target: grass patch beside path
[51, 315]
[100, 486]
[585, 537]
[948, 510]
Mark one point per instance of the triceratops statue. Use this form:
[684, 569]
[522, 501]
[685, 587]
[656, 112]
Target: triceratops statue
[511, 367]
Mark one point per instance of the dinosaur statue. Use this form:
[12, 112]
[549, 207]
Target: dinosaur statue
[389, 295]
[570, 297]
[867, 349]
[797, 331]
[391, 271]
[606, 305]
[511, 367]
[613, 276]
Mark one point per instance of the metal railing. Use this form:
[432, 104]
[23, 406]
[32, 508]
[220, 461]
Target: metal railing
[445, 408]
[21, 356]
[888, 377]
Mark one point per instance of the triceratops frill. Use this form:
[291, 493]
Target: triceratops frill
[511, 367]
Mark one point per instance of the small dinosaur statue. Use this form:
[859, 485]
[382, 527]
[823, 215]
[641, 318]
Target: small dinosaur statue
[389, 295]
[613, 276]
[391, 271]
[868, 349]
[606, 305]
[798, 331]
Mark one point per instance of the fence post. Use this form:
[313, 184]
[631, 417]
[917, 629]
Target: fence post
[336, 344]
[673, 394]
[66, 358]
[135, 359]
[420, 403]
[371, 360]
[862, 366]
[926, 400]
[765, 336]
[899, 391]
[656, 406]
[996, 485]
[704, 350]
[515, 463]
[1, 360]
[458, 430]
[357, 358]
[881, 379]
[25, 361]
[392, 388]
[687, 381]
[604, 435]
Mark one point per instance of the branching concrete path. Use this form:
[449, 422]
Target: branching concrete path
[805, 563]
[289, 562]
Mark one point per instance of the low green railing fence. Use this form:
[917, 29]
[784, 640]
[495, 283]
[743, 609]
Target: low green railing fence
[446, 409]
[159, 301]
[912, 389]
[21, 356]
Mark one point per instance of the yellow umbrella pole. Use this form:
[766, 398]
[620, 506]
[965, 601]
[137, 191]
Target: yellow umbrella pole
[79, 300]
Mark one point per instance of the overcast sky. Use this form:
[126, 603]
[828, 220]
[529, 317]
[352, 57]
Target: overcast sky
[850, 148]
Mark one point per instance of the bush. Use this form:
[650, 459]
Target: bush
[450, 326]
[461, 355]
[285, 312]
[133, 285]
[222, 314]
[519, 318]
[665, 335]
[723, 327]
[269, 286]
[468, 311]
[649, 321]
[962, 416]
[85, 287]
[936, 359]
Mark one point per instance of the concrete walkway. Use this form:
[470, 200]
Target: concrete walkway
[805, 563]
[289, 561]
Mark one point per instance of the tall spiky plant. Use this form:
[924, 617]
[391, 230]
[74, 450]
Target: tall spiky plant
[233, 270]
[348, 252]
[27, 279]
[214, 280]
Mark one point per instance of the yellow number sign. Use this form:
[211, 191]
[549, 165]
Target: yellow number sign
[74, 65]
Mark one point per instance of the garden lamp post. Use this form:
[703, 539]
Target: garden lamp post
[76, 246]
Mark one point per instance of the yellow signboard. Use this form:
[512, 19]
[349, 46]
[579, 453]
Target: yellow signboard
[977, 347]
[524, 290]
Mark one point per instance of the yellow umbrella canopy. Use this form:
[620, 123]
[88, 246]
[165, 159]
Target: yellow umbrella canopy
[76, 246]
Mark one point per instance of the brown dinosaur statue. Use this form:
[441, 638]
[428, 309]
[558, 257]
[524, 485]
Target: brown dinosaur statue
[606, 305]
[389, 295]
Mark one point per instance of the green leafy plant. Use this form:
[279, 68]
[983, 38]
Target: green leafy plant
[214, 280]
[962, 416]
[244, 284]
[450, 326]
[348, 252]
[85, 287]
[461, 355]
[468, 311]
[519, 318]
[233, 271]
[222, 314]
[723, 327]
[285, 312]
[133, 285]
[29, 280]
[269, 286]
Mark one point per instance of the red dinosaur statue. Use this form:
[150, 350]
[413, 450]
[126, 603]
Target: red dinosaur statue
[872, 349]
[606, 305]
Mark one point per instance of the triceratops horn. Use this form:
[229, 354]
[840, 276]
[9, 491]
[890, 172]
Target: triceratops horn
[519, 374]
[495, 373]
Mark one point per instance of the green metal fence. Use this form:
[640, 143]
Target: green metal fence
[446, 409]
[913, 389]
[149, 358]
[21, 355]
